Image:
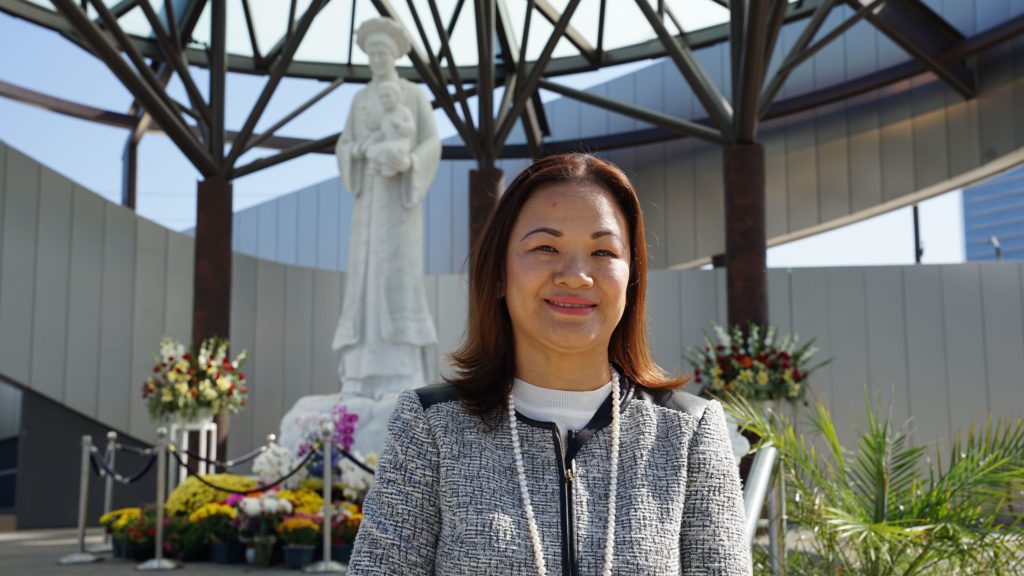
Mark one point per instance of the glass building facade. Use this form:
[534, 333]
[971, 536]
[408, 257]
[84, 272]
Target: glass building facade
[994, 214]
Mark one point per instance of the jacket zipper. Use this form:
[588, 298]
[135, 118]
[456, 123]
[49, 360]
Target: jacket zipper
[566, 476]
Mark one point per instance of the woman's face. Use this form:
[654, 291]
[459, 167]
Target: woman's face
[567, 269]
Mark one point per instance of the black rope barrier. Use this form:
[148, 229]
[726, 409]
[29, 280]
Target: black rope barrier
[102, 468]
[227, 463]
[135, 449]
[346, 454]
[263, 488]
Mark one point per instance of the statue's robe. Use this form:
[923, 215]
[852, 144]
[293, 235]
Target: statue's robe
[385, 272]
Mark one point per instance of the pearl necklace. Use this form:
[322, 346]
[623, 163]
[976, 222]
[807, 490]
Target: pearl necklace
[609, 547]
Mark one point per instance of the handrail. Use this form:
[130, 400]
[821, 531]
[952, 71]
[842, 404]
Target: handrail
[759, 482]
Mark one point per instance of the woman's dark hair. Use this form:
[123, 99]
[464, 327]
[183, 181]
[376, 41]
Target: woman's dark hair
[485, 362]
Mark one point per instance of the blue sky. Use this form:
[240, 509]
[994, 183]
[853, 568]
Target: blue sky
[91, 154]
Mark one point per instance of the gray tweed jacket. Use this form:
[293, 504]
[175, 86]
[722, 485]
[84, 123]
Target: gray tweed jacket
[446, 499]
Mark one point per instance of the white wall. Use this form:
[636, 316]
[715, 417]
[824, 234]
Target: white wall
[87, 289]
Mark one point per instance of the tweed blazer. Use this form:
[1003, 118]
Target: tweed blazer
[446, 497]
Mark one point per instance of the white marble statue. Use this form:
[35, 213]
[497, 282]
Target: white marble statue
[387, 155]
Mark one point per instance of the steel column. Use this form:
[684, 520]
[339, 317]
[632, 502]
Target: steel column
[745, 243]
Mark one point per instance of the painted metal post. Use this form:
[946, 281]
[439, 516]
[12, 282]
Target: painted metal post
[159, 562]
[327, 566]
[81, 556]
[110, 457]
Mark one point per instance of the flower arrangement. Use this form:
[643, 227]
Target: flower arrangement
[303, 501]
[753, 364]
[189, 383]
[138, 529]
[345, 522]
[191, 495]
[183, 539]
[217, 521]
[342, 422]
[274, 463]
[298, 531]
[356, 482]
[116, 520]
[261, 513]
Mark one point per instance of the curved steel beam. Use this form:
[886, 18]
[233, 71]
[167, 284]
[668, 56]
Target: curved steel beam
[361, 73]
[970, 46]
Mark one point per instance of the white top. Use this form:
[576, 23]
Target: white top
[568, 409]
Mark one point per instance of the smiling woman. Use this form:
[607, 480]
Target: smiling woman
[560, 445]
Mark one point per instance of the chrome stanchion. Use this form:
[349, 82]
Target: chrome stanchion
[327, 565]
[109, 457]
[81, 556]
[777, 521]
[160, 563]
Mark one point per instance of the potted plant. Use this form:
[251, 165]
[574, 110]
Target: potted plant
[756, 364]
[219, 524]
[184, 540]
[261, 515]
[299, 535]
[137, 537]
[882, 506]
[194, 385]
[344, 527]
[114, 523]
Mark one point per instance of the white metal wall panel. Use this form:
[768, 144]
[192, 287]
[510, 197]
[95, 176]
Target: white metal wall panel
[288, 228]
[947, 341]
[298, 335]
[926, 355]
[150, 305]
[847, 336]
[775, 184]
[1003, 321]
[17, 278]
[243, 337]
[329, 227]
[86, 285]
[965, 344]
[266, 390]
[931, 154]
[680, 198]
[887, 338]
[895, 115]
[115, 335]
[664, 319]
[326, 311]
[50, 312]
[307, 232]
[865, 149]
[180, 268]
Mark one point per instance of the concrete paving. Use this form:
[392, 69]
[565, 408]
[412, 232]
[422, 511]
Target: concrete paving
[36, 552]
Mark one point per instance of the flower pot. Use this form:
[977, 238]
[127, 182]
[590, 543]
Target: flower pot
[341, 552]
[263, 550]
[297, 556]
[138, 552]
[116, 548]
[227, 552]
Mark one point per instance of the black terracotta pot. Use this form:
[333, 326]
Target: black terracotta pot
[297, 557]
[227, 552]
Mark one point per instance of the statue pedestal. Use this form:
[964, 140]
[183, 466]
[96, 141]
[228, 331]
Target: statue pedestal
[371, 428]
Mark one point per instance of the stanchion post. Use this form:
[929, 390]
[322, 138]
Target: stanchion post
[81, 556]
[110, 457]
[327, 565]
[160, 563]
[776, 520]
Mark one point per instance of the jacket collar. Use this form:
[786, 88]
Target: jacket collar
[601, 419]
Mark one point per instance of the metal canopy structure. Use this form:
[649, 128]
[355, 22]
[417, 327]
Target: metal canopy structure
[499, 51]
